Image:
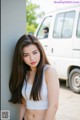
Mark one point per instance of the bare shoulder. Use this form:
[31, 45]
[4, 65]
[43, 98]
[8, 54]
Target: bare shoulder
[50, 70]
[51, 73]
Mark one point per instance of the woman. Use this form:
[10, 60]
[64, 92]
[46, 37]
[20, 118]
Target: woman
[33, 82]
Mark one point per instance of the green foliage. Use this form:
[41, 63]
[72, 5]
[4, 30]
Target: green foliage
[32, 16]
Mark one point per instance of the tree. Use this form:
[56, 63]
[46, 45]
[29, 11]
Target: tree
[32, 16]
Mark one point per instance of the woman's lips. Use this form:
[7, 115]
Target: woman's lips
[33, 63]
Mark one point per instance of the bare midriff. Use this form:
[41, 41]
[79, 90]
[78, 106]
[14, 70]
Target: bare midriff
[35, 114]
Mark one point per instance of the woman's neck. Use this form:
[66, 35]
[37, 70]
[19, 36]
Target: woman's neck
[33, 69]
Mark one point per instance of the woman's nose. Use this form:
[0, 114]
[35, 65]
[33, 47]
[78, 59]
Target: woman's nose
[31, 57]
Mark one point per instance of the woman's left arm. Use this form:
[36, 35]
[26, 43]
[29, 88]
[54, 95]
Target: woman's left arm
[53, 93]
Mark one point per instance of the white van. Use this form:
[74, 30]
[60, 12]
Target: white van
[62, 45]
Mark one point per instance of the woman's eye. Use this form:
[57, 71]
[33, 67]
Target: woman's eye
[25, 55]
[35, 52]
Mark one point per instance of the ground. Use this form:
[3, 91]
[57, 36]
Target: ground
[69, 104]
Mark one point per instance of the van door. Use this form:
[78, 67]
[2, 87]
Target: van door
[62, 34]
[76, 42]
[62, 40]
[42, 35]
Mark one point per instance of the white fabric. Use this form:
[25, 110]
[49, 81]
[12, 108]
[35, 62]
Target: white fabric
[41, 104]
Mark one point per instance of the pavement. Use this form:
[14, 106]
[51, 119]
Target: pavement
[69, 104]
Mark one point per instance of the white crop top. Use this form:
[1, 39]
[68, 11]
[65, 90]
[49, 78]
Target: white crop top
[36, 105]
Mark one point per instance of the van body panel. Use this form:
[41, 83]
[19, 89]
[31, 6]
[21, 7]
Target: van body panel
[62, 46]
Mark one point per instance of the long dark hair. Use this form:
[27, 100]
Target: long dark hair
[19, 70]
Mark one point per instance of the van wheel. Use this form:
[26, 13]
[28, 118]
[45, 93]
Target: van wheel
[74, 80]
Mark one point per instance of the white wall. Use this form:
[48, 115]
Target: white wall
[13, 25]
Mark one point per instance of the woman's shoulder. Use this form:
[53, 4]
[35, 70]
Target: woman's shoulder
[50, 70]
[48, 67]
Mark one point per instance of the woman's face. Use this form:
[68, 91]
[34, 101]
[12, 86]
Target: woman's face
[31, 55]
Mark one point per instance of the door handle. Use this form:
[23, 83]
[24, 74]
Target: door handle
[52, 50]
[45, 46]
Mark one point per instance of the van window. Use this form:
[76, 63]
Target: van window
[78, 27]
[63, 25]
[45, 24]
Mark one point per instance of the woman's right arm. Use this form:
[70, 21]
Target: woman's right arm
[22, 109]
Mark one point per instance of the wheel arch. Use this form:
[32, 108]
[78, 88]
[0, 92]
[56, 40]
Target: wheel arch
[71, 68]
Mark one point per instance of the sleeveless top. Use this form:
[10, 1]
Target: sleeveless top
[43, 102]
